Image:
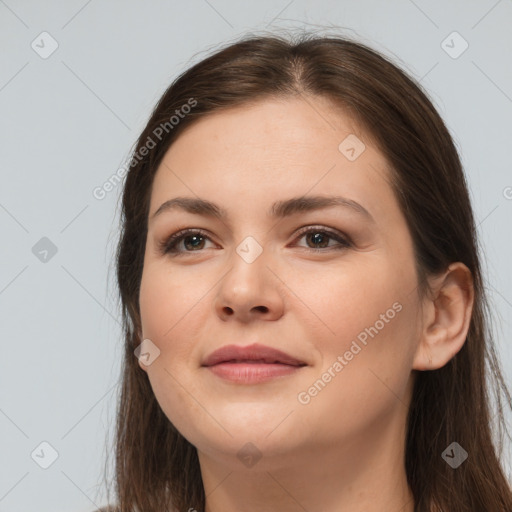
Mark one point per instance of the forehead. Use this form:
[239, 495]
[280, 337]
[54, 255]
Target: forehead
[275, 147]
[276, 122]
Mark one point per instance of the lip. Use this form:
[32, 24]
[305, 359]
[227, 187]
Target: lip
[252, 373]
[255, 353]
[252, 364]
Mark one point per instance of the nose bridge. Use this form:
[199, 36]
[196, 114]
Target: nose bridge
[250, 249]
[249, 286]
[248, 263]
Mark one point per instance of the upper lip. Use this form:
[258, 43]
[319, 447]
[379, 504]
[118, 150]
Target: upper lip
[255, 352]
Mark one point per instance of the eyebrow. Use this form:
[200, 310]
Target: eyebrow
[280, 209]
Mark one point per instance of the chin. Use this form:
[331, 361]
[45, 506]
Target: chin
[245, 451]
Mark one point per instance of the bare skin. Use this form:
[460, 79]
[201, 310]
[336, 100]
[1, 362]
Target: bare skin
[340, 448]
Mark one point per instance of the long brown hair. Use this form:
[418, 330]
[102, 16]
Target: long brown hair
[156, 468]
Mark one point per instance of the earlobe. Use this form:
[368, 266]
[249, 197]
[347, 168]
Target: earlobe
[423, 358]
[142, 366]
[140, 338]
[446, 318]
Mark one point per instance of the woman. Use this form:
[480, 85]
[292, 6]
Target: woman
[305, 320]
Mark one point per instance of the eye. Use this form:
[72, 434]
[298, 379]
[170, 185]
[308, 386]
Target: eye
[320, 235]
[194, 239]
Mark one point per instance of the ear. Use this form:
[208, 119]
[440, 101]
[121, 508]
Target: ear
[446, 316]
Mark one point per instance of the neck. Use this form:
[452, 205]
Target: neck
[365, 473]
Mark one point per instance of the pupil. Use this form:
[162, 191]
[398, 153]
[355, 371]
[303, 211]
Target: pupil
[198, 239]
[317, 239]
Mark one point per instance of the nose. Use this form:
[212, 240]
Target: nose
[250, 291]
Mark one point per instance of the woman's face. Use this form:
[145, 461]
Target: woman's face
[342, 299]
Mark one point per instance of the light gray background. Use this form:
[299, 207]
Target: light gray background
[67, 124]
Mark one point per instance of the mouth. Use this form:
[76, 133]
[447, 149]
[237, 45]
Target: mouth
[251, 364]
[255, 353]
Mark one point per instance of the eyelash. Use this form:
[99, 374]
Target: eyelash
[168, 246]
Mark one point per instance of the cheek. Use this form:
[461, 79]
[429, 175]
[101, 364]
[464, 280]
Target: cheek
[168, 303]
[366, 317]
[364, 374]
[344, 299]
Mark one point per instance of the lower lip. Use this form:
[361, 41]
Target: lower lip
[252, 373]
